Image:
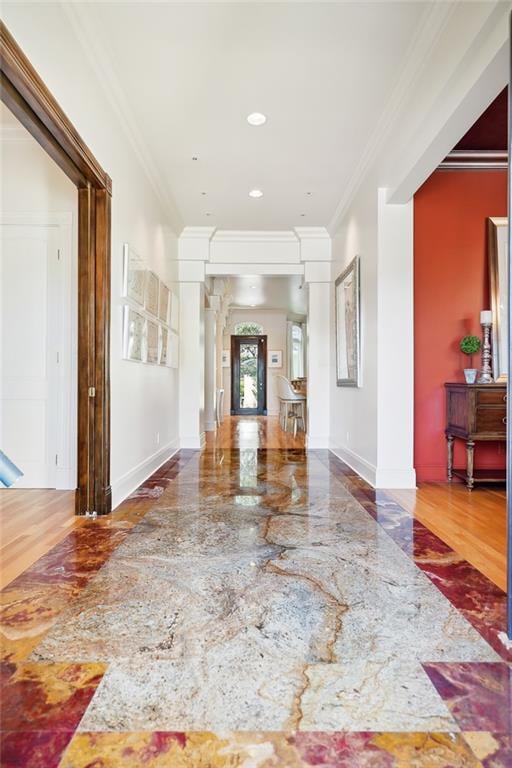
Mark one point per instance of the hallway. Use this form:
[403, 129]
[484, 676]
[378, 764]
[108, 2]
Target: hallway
[268, 594]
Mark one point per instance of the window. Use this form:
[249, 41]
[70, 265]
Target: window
[248, 328]
[297, 352]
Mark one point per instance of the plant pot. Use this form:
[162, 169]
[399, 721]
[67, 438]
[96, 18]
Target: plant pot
[470, 375]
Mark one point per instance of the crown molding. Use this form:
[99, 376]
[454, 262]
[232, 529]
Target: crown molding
[312, 233]
[430, 27]
[474, 159]
[88, 31]
[254, 236]
[197, 233]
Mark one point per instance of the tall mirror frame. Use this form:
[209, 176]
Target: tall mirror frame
[497, 249]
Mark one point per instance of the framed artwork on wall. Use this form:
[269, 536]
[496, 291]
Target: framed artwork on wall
[497, 240]
[275, 359]
[163, 358]
[152, 337]
[226, 361]
[348, 326]
[134, 326]
[163, 304]
[151, 293]
[134, 275]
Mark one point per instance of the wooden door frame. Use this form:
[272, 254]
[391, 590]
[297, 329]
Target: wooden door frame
[28, 98]
[235, 369]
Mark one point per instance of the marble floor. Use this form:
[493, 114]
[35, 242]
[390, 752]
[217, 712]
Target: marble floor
[255, 608]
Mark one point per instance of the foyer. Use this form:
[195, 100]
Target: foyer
[254, 391]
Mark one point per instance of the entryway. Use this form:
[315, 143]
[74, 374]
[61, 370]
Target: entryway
[249, 375]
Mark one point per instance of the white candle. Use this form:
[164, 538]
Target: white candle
[486, 317]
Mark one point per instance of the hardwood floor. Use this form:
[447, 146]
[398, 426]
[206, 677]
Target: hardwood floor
[32, 521]
[252, 432]
[473, 523]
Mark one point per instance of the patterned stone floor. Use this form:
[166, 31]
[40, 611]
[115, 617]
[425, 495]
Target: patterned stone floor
[255, 608]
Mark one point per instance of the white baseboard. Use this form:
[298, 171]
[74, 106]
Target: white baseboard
[131, 480]
[367, 471]
[395, 478]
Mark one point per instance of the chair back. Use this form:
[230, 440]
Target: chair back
[285, 391]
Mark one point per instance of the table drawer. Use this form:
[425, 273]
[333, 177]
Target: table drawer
[491, 397]
[491, 419]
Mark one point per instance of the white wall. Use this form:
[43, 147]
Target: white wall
[274, 327]
[354, 410]
[144, 398]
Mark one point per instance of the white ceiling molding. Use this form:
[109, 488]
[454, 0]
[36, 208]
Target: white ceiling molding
[254, 236]
[477, 77]
[88, 32]
[430, 28]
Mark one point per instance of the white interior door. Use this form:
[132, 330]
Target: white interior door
[31, 295]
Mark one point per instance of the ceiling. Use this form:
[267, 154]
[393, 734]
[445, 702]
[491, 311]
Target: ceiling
[285, 293]
[190, 74]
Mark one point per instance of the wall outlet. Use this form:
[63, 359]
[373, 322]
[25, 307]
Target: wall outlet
[348, 436]
[158, 438]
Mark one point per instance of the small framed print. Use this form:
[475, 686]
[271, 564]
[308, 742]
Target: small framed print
[134, 331]
[175, 312]
[151, 293]
[134, 275]
[164, 346]
[275, 359]
[226, 361]
[163, 304]
[152, 338]
[173, 349]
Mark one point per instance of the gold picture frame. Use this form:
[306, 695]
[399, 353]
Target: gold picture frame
[497, 251]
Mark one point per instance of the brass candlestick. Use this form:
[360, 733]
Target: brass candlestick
[486, 370]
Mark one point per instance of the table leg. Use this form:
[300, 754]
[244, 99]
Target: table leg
[449, 445]
[470, 451]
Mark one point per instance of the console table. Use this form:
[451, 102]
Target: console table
[475, 412]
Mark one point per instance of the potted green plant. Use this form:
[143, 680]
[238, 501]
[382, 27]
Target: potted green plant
[470, 345]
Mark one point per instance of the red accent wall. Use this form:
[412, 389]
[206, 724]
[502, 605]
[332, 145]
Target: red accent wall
[450, 288]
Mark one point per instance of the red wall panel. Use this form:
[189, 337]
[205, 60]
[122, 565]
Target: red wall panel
[450, 288]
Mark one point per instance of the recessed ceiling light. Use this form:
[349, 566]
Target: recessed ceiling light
[194, 158]
[208, 214]
[203, 193]
[255, 193]
[256, 118]
[302, 215]
[309, 193]
[252, 286]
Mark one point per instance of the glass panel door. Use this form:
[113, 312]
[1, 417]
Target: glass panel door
[248, 375]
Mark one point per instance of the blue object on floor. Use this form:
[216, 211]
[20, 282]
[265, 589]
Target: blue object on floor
[9, 472]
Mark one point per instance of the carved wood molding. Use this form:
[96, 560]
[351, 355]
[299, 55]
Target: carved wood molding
[19, 72]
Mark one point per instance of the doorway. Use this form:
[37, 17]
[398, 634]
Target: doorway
[249, 375]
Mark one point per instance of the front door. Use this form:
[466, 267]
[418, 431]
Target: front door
[249, 375]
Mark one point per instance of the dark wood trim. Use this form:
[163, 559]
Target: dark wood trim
[235, 375]
[25, 94]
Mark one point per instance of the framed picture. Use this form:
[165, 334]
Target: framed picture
[163, 358]
[134, 328]
[151, 293]
[152, 338]
[134, 276]
[173, 349]
[497, 238]
[275, 359]
[226, 361]
[163, 304]
[348, 326]
[175, 312]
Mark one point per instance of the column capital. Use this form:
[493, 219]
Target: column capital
[315, 243]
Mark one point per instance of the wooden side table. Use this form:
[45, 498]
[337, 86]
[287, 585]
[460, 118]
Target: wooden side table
[475, 412]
